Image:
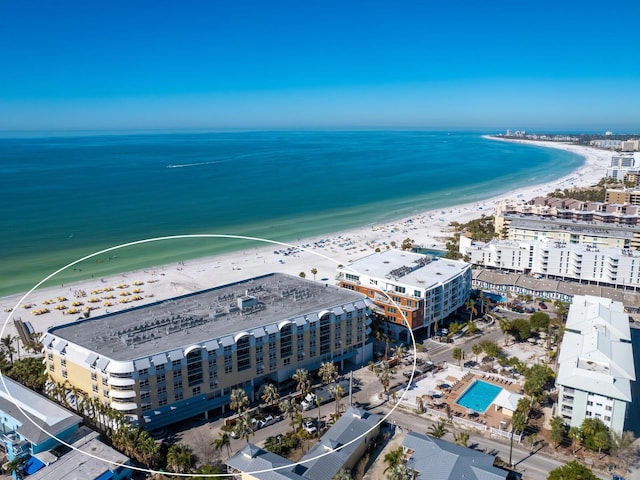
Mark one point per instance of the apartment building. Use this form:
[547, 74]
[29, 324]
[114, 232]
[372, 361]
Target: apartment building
[557, 260]
[181, 357]
[409, 290]
[630, 196]
[29, 422]
[595, 364]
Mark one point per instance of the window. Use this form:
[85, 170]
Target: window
[176, 363]
[399, 289]
[194, 367]
[94, 376]
[352, 278]
[195, 390]
[243, 353]
[52, 368]
[94, 388]
[161, 378]
[286, 339]
[143, 371]
[50, 356]
[144, 383]
[63, 362]
[64, 373]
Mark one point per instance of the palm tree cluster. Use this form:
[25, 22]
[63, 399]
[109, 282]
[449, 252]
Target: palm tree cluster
[137, 444]
[396, 465]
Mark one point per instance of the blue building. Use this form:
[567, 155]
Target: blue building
[29, 422]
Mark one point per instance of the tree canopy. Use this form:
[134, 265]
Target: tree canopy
[572, 471]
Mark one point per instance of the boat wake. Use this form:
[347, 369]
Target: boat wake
[183, 165]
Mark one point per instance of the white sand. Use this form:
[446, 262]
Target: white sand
[429, 229]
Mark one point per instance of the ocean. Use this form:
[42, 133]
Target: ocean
[66, 197]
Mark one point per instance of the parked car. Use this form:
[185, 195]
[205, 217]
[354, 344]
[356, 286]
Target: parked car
[309, 402]
[542, 305]
[266, 421]
[309, 426]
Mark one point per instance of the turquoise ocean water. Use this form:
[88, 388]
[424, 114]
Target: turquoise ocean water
[66, 197]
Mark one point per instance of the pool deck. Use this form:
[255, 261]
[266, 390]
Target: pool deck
[445, 386]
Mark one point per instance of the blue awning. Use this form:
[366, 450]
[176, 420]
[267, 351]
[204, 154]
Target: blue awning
[108, 475]
[32, 466]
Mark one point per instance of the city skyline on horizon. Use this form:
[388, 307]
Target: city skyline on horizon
[228, 65]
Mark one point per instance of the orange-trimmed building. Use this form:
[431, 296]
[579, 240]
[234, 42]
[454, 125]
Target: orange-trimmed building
[421, 288]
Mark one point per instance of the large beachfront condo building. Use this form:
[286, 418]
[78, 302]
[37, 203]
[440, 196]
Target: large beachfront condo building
[570, 221]
[174, 359]
[630, 196]
[595, 364]
[613, 267]
[409, 290]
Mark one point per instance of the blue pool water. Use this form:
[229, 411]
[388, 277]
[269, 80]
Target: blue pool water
[479, 396]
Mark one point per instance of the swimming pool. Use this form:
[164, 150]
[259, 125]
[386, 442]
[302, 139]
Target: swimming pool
[478, 396]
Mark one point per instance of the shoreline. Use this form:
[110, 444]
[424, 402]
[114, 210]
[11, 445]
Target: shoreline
[428, 229]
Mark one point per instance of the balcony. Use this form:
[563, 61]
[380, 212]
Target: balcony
[121, 382]
[121, 394]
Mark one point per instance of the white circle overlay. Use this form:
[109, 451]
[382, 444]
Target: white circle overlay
[192, 236]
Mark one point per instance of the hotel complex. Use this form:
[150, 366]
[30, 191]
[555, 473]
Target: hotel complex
[174, 359]
[613, 267]
[604, 225]
[401, 284]
[595, 365]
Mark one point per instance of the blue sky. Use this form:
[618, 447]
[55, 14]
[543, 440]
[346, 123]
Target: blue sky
[562, 65]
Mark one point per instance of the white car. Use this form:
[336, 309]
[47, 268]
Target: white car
[266, 421]
[309, 427]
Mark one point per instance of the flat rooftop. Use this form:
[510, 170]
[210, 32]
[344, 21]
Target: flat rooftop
[408, 267]
[207, 315]
[573, 226]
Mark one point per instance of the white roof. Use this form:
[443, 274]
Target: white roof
[596, 354]
[507, 400]
[408, 268]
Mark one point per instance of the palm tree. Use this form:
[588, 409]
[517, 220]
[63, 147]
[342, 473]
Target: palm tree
[575, 434]
[338, 395]
[383, 372]
[343, 474]
[476, 349]
[383, 337]
[270, 395]
[238, 400]
[458, 354]
[296, 421]
[16, 466]
[400, 352]
[244, 426]
[505, 325]
[318, 403]
[147, 449]
[461, 438]
[399, 472]
[224, 441]
[289, 408]
[327, 372]
[518, 422]
[470, 305]
[438, 430]
[302, 377]
[180, 458]
[314, 271]
[7, 344]
[393, 458]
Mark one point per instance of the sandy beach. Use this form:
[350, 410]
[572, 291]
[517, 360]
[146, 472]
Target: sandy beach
[45, 308]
